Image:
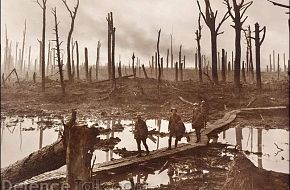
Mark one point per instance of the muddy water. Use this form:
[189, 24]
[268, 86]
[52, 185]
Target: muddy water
[22, 136]
[260, 145]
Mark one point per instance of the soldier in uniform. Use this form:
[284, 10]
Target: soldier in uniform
[176, 128]
[197, 121]
[141, 134]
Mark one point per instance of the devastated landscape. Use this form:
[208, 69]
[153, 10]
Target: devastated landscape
[72, 119]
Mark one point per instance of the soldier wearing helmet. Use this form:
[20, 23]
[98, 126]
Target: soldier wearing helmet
[176, 128]
[197, 121]
[141, 134]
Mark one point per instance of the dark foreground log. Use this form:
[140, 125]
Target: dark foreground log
[46, 159]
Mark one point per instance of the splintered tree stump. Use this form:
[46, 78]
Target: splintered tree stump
[144, 71]
[79, 151]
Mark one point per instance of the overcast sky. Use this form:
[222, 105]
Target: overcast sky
[137, 23]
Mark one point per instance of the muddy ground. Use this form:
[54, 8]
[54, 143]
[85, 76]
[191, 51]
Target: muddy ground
[132, 96]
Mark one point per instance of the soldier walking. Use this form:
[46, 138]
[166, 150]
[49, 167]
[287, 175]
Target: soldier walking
[176, 128]
[141, 134]
[197, 121]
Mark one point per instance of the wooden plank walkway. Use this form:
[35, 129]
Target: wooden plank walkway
[132, 160]
[157, 154]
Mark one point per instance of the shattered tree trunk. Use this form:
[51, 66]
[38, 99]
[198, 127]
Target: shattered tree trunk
[198, 37]
[258, 44]
[109, 47]
[176, 72]
[159, 66]
[223, 66]
[244, 72]
[98, 60]
[120, 70]
[180, 64]
[78, 60]
[59, 61]
[79, 143]
[86, 64]
[113, 52]
[144, 71]
[278, 66]
[133, 65]
[73, 15]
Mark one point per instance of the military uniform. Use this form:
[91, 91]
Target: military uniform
[141, 134]
[176, 128]
[197, 123]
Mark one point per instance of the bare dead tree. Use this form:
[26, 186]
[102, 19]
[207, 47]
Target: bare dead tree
[223, 65]
[23, 48]
[29, 59]
[42, 5]
[133, 65]
[167, 58]
[248, 36]
[113, 54]
[73, 14]
[58, 44]
[210, 19]
[109, 46]
[78, 60]
[237, 12]
[48, 58]
[198, 37]
[158, 61]
[258, 43]
[98, 60]
[72, 58]
[171, 52]
[86, 64]
[180, 63]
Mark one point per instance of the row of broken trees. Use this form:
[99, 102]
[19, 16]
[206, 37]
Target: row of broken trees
[235, 11]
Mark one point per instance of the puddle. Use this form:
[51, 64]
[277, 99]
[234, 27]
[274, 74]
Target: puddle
[259, 146]
[203, 168]
[22, 136]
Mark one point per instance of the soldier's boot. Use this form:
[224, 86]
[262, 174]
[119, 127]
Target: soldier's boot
[176, 142]
[146, 147]
[139, 148]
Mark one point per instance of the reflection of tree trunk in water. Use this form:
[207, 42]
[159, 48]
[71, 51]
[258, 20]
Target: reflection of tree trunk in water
[224, 134]
[251, 139]
[132, 182]
[2, 131]
[20, 135]
[112, 135]
[159, 127]
[260, 148]
[107, 137]
[40, 137]
[239, 137]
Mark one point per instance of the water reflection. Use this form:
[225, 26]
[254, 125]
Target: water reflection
[22, 136]
[261, 149]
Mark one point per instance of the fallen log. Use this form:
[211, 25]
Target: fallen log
[46, 159]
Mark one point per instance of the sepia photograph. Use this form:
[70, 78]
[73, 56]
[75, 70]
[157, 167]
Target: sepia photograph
[145, 94]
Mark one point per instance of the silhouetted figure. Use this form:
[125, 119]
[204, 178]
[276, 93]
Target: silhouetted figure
[141, 134]
[197, 121]
[176, 128]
